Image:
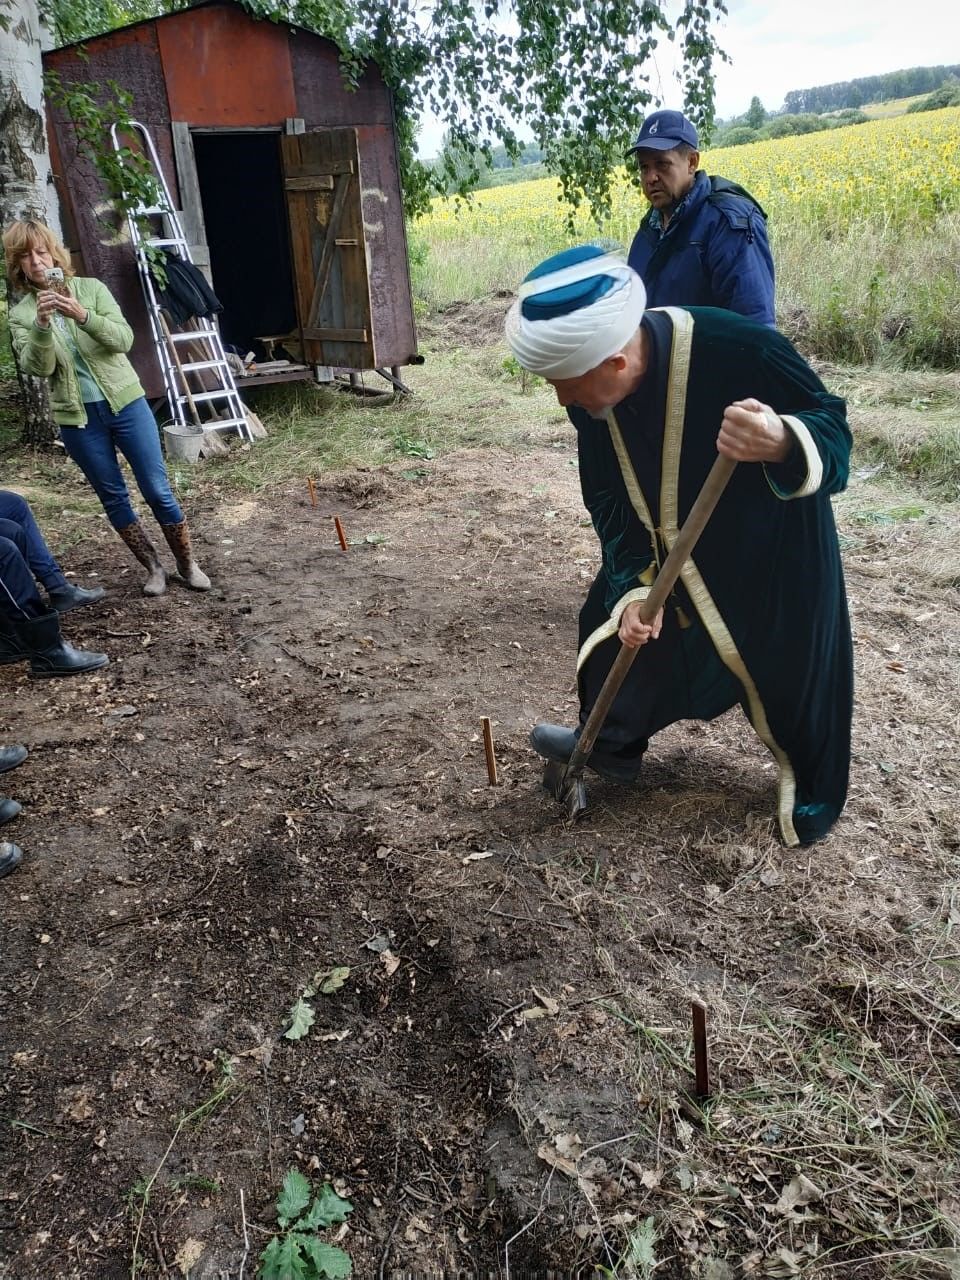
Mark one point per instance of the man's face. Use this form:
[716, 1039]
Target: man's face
[597, 390]
[667, 176]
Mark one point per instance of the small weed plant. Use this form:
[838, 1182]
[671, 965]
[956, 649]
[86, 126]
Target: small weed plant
[297, 1252]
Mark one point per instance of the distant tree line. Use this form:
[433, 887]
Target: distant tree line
[758, 125]
[948, 95]
[857, 93]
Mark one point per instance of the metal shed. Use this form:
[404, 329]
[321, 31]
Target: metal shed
[287, 183]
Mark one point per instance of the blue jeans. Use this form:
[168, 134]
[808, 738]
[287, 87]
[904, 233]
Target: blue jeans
[16, 511]
[132, 431]
[18, 591]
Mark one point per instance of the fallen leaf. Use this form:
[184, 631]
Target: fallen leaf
[260, 1052]
[80, 1108]
[477, 856]
[549, 1154]
[390, 962]
[800, 1191]
[189, 1254]
[552, 1006]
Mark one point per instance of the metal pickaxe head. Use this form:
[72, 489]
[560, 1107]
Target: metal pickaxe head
[566, 787]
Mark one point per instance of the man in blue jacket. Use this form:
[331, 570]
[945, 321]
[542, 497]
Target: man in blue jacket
[704, 241]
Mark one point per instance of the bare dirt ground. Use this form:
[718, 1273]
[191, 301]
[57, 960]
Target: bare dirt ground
[286, 777]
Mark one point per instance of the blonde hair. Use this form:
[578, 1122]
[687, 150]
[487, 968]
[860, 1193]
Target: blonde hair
[19, 238]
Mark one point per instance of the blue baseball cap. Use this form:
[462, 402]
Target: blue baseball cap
[664, 130]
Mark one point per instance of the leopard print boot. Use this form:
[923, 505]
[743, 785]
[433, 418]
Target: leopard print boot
[178, 539]
[135, 536]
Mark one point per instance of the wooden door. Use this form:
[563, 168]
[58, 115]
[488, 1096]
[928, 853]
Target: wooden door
[321, 172]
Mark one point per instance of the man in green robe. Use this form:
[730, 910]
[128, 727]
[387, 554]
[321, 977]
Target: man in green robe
[759, 616]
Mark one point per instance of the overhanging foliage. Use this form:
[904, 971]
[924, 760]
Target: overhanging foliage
[578, 74]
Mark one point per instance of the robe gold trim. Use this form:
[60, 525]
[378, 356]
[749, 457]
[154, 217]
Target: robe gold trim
[814, 477]
[703, 602]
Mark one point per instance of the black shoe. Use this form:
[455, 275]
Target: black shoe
[10, 757]
[11, 650]
[553, 742]
[68, 597]
[11, 856]
[50, 654]
[8, 810]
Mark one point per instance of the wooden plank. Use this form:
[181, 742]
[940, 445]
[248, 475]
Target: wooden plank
[329, 167]
[329, 244]
[192, 206]
[337, 335]
[320, 182]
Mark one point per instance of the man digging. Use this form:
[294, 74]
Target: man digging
[759, 615]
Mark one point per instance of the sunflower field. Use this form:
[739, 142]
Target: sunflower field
[864, 223]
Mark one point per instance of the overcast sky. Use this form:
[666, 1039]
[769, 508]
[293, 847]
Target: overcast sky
[779, 45]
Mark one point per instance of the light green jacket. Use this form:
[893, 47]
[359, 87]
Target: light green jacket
[103, 342]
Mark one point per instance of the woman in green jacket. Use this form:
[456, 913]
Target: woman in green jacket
[70, 330]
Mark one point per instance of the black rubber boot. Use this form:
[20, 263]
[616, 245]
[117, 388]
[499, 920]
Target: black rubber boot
[11, 856]
[10, 757]
[11, 650]
[68, 597]
[8, 810]
[49, 653]
[554, 742]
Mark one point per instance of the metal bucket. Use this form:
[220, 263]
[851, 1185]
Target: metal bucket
[182, 444]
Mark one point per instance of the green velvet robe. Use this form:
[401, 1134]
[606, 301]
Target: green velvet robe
[760, 615]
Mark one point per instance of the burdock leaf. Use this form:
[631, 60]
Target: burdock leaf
[331, 1207]
[294, 1197]
[330, 1262]
[335, 980]
[301, 1018]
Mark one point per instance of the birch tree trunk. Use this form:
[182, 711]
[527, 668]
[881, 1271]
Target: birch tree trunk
[26, 179]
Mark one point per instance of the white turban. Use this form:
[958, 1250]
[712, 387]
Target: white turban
[583, 325]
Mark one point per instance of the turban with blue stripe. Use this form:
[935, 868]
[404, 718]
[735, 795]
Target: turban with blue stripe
[574, 311]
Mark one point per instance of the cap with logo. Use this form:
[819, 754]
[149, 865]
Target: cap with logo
[664, 130]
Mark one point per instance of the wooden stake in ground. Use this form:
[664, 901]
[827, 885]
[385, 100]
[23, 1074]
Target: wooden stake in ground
[700, 1049]
[313, 491]
[488, 749]
[340, 534]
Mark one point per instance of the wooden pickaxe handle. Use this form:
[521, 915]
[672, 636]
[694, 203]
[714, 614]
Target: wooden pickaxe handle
[663, 584]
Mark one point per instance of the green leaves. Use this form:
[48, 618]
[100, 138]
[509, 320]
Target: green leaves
[294, 1197]
[299, 1254]
[327, 1259]
[326, 982]
[301, 1018]
[574, 73]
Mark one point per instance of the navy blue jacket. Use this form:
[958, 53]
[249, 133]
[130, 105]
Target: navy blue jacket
[715, 254]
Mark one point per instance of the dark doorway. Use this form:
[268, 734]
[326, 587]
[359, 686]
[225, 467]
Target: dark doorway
[245, 215]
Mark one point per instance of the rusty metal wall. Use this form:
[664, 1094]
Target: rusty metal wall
[223, 68]
[215, 66]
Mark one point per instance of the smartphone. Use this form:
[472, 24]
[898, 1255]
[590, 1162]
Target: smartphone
[54, 275]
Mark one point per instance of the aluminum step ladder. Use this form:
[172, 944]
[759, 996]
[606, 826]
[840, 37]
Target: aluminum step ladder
[223, 399]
